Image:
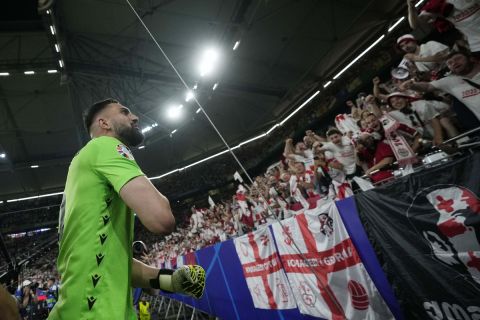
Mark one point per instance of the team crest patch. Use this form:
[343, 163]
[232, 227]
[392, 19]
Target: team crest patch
[125, 152]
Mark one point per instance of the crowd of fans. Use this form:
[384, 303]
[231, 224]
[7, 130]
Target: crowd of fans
[34, 280]
[433, 94]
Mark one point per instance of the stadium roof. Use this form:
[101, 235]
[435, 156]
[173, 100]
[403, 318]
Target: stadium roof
[287, 50]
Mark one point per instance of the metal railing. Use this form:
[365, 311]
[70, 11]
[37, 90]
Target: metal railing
[167, 308]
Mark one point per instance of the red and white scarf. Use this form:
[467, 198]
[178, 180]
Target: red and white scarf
[401, 149]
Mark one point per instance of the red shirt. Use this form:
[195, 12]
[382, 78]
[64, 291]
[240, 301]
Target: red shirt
[382, 151]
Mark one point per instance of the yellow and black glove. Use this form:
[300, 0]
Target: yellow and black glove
[188, 279]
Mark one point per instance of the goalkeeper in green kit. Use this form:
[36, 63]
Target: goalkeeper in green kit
[104, 185]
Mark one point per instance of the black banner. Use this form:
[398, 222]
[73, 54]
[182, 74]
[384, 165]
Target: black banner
[426, 230]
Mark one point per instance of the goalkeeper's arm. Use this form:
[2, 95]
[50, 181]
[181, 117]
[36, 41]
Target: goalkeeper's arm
[189, 280]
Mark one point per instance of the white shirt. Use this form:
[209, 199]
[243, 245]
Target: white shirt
[425, 111]
[208, 233]
[306, 158]
[427, 50]
[439, 106]
[460, 89]
[296, 193]
[466, 18]
[344, 153]
[345, 123]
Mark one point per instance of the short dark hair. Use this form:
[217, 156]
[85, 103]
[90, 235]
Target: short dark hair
[463, 52]
[94, 110]
[333, 131]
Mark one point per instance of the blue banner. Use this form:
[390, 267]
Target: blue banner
[227, 295]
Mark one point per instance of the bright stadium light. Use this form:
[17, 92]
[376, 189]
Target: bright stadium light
[189, 96]
[52, 71]
[419, 3]
[146, 129]
[174, 112]
[358, 57]
[300, 107]
[400, 20]
[36, 197]
[52, 30]
[29, 72]
[3, 155]
[272, 128]
[57, 48]
[4, 74]
[235, 46]
[34, 166]
[208, 62]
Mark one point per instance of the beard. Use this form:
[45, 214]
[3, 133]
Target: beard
[130, 136]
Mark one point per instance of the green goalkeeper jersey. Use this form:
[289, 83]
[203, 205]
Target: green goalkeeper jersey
[96, 234]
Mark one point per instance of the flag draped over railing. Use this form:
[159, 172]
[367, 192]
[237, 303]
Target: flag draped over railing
[320, 264]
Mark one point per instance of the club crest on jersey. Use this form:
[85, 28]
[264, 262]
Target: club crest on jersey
[125, 152]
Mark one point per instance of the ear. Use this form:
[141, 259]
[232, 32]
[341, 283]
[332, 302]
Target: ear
[104, 123]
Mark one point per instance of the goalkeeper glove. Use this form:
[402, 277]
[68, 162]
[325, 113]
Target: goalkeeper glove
[189, 280]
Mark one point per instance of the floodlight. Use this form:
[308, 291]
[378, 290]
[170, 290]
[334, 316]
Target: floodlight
[208, 62]
[146, 129]
[189, 96]
[174, 112]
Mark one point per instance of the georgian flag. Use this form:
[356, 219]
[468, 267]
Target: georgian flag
[323, 268]
[263, 272]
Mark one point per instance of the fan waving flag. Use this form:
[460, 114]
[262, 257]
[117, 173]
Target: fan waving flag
[324, 270]
[263, 272]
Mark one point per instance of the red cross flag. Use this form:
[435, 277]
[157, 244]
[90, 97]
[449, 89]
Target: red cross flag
[323, 268]
[262, 269]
